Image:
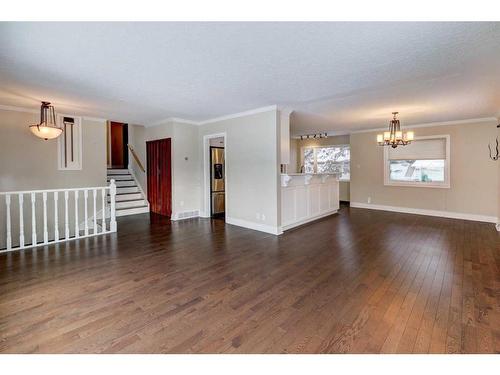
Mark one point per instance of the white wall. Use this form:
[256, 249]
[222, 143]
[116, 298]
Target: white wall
[252, 166]
[185, 161]
[30, 163]
[252, 169]
[137, 139]
[474, 177]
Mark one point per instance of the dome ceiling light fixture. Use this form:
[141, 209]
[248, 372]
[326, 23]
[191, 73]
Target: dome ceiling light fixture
[47, 128]
[395, 136]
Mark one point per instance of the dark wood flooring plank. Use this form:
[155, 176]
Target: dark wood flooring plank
[361, 281]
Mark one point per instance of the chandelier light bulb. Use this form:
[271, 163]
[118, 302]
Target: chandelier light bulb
[395, 136]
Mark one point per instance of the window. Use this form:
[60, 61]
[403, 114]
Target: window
[425, 162]
[328, 159]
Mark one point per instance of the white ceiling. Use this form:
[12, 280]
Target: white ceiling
[337, 76]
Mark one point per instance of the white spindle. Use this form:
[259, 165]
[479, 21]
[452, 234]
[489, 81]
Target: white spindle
[77, 226]
[45, 211]
[33, 220]
[9, 235]
[103, 196]
[86, 195]
[45, 233]
[112, 190]
[94, 195]
[66, 223]
[21, 221]
[56, 217]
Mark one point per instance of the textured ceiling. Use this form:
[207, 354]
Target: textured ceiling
[337, 76]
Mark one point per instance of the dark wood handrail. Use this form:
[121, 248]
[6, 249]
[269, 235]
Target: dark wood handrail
[136, 158]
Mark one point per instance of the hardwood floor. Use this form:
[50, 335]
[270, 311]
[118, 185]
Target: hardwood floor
[358, 282]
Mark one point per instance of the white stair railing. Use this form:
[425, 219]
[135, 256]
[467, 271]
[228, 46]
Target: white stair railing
[48, 215]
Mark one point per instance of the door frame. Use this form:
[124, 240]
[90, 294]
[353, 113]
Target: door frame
[211, 176]
[171, 174]
[109, 150]
[207, 172]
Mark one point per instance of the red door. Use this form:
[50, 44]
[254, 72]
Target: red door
[117, 145]
[159, 176]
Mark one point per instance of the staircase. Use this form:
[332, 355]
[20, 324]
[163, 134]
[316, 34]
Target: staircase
[129, 198]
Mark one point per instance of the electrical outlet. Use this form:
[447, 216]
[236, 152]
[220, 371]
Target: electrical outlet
[369, 200]
[263, 217]
[257, 216]
[181, 203]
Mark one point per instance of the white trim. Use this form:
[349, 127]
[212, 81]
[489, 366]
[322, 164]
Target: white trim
[240, 114]
[432, 124]
[442, 185]
[206, 172]
[187, 215]
[426, 212]
[95, 119]
[181, 120]
[308, 220]
[18, 109]
[254, 226]
[37, 111]
[170, 120]
[216, 119]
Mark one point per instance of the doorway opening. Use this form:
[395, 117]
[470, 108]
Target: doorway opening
[215, 176]
[159, 176]
[117, 154]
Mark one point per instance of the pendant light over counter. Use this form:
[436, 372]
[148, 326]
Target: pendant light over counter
[395, 136]
[47, 128]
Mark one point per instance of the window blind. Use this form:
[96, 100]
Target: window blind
[424, 149]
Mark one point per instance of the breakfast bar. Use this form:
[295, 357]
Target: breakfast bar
[307, 197]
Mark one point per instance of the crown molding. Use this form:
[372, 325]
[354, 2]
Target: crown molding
[240, 114]
[95, 119]
[37, 111]
[433, 124]
[171, 119]
[18, 109]
[215, 119]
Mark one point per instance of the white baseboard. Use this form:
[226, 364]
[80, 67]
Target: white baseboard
[204, 214]
[420, 211]
[255, 226]
[184, 215]
[308, 220]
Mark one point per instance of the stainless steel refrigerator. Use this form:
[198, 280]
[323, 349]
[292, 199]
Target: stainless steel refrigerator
[217, 181]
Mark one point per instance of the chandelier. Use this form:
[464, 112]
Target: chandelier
[47, 128]
[395, 136]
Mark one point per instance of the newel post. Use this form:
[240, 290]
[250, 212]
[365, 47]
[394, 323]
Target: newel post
[112, 191]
